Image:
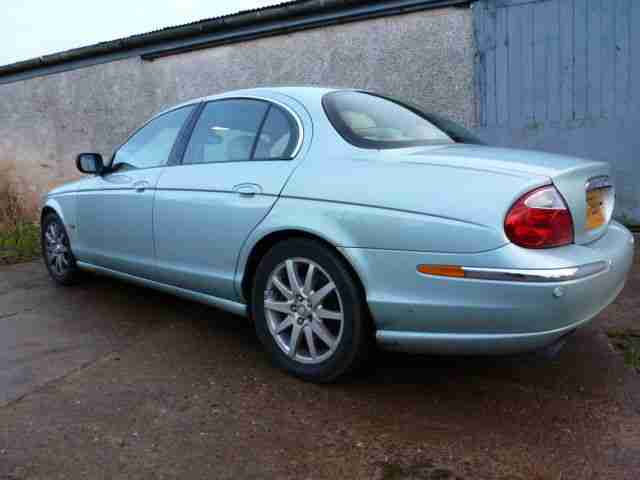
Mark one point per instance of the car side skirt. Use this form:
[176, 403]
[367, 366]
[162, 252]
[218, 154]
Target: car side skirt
[226, 305]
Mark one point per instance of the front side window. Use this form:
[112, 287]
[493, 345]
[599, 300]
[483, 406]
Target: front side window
[238, 130]
[371, 121]
[152, 144]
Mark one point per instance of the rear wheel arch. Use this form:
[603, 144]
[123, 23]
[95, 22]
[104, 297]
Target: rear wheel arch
[349, 347]
[260, 249]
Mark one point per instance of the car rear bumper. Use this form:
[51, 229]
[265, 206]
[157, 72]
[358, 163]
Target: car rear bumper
[520, 300]
[471, 344]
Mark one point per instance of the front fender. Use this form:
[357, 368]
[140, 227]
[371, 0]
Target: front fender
[65, 207]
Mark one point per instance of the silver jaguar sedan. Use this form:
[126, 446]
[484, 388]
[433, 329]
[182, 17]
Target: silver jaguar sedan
[338, 219]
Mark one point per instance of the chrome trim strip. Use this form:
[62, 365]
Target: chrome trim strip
[227, 305]
[536, 275]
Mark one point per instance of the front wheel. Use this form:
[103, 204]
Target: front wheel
[309, 312]
[56, 251]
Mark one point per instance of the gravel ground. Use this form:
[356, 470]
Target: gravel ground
[107, 380]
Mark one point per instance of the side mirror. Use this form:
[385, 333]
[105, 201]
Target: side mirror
[90, 163]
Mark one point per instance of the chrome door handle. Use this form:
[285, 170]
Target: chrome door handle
[141, 186]
[247, 189]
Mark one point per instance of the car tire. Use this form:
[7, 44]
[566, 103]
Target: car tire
[336, 318]
[56, 251]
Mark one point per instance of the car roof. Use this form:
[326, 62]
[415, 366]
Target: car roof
[300, 93]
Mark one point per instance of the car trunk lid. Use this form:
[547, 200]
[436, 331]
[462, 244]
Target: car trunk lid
[585, 185]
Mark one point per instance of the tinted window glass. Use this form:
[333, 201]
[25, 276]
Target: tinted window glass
[278, 136]
[371, 121]
[457, 132]
[151, 145]
[225, 131]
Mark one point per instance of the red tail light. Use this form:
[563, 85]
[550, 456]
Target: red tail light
[540, 219]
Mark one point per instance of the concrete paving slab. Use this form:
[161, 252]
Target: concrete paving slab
[108, 380]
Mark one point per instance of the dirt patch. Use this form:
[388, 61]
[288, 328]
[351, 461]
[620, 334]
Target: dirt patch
[627, 341]
[423, 471]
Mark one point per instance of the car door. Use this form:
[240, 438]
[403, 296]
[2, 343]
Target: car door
[238, 159]
[115, 210]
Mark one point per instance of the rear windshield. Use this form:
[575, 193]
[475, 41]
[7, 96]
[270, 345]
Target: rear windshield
[372, 121]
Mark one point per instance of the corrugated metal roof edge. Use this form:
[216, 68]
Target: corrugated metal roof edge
[271, 20]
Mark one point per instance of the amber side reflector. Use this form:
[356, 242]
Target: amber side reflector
[441, 270]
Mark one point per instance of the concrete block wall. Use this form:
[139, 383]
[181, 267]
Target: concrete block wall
[426, 57]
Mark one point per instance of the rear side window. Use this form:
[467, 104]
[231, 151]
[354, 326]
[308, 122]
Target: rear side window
[225, 131]
[239, 130]
[371, 121]
[278, 137]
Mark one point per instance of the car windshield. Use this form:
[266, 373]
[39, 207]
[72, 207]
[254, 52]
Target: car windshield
[368, 120]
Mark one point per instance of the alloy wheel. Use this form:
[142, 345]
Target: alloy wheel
[304, 310]
[57, 249]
